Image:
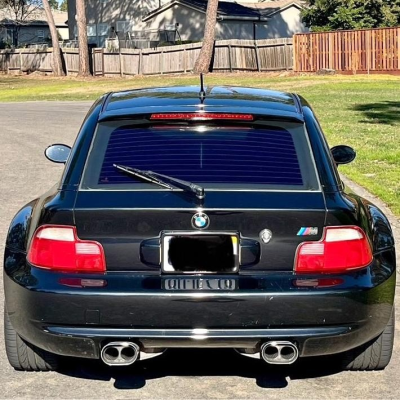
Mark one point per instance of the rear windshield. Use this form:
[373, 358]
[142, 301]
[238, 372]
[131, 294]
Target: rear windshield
[274, 156]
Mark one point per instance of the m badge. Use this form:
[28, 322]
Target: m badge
[308, 231]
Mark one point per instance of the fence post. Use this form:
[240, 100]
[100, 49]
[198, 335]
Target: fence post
[94, 62]
[103, 65]
[330, 50]
[294, 44]
[184, 60]
[140, 69]
[162, 62]
[230, 57]
[398, 48]
[20, 60]
[368, 52]
[121, 64]
[257, 56]
[8, 61]
[285, 50]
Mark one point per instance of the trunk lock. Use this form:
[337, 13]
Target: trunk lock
[265, 235]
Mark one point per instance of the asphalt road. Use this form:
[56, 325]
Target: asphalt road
[25, 131]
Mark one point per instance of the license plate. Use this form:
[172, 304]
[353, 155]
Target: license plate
[199, 284]
[167, 263]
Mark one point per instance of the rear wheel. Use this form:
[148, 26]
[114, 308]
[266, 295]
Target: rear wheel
[374, 355]
[24, 356]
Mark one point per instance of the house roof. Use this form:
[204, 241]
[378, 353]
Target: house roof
[270, 7]
[225, 9]
[35, 17]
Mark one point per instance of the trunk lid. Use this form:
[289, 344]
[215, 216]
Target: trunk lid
[129, 223]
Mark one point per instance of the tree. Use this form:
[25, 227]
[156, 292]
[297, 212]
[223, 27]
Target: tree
[82, 38]
[53, 4]
[325, 15]
[57, 60]
[64, 6]
[203, 62]
[21, 12]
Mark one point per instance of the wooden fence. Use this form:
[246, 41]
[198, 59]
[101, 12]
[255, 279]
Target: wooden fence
[367, 51]
[229, 56]
[364, 51]
[26, 60]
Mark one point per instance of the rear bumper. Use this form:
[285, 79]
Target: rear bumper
[310, 341]
[321, 319]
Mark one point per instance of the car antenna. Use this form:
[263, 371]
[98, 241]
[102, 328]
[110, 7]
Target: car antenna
[202, 93]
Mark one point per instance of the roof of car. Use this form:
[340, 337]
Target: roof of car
[222, 99]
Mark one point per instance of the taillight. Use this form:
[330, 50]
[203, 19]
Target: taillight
[201, 116]
[341, 249]
[59, 248]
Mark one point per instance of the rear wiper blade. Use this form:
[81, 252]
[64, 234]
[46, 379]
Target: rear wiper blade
[153, 177]
[143, 175]
[184, 185]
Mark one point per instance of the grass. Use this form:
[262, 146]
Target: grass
[361, 111]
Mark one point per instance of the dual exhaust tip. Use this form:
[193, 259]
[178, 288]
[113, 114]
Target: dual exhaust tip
[126, 353]
[279, 352]
[120, 353]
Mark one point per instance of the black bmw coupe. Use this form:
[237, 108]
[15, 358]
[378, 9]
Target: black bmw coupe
[199, 218]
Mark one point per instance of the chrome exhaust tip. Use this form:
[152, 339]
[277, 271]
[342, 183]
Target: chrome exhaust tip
[279, 352]
[120, 353]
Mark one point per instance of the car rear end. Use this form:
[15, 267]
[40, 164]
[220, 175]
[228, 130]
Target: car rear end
[261, 264]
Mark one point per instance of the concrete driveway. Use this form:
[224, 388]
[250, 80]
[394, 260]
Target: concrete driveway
[25, 130]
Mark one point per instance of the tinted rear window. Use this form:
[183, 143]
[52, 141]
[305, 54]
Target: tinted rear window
[215, 157]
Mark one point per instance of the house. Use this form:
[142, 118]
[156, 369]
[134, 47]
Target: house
[245, 20]
[33, 30]
[104, 17]
[236, 20]
[283, 18]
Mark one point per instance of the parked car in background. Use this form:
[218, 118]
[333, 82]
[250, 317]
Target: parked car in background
[199, 217]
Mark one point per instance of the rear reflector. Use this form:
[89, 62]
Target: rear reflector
[59, 248]
[201, 116]
[341, 249]
[83, 283]
[318, 283]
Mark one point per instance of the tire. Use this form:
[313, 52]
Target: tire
[374, 355]
[24, 356]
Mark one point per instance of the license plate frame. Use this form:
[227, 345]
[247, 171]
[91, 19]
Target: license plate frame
[199, 284]
[166, 236]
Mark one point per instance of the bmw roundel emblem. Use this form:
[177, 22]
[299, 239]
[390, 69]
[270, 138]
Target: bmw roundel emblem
[200, 221]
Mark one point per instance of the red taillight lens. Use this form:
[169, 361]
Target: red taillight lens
[59, 248]
[201, 116]
[341, 249]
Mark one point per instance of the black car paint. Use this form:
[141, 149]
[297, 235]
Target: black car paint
[269, 303]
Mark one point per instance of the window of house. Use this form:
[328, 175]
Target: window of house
[123, 26]
[102, 29]
[40, 34]
[91, 30]
[10, 35]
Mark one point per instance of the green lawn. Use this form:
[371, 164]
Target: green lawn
[361, 111]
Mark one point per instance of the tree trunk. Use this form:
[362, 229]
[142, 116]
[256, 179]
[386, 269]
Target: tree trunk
[57, 61]
[82, 38]
[203, 61]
